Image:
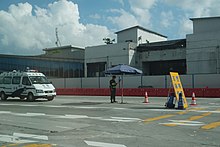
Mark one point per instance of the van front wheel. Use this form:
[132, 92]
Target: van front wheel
[3, 96]
[30, 97]
[50, 98]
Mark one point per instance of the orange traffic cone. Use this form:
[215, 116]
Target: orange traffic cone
[146, 100]
[193, 102]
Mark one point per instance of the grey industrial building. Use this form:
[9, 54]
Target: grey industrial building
[57, 62]
[139, 47]
[155, 55]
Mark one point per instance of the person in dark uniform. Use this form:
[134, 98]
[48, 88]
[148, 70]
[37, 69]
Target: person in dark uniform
[112, 85]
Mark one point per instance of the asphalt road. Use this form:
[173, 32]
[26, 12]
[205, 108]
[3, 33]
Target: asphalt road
[76, 121]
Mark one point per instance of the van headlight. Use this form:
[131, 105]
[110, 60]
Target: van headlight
[39, 91]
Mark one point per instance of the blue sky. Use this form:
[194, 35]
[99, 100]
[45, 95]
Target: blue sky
[28, 26]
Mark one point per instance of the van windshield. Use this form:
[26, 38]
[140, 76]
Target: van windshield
[39, 80]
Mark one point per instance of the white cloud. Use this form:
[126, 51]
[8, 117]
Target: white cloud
[95, 16]
[167, 19]
[197, 8]
[124, 20]
[141, 10]
[194, 9]
[27, 30]
[139, 14]
[185, 27]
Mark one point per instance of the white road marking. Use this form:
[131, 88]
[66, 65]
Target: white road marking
[126, 118]
[14, 139]
[203, 111]
[33, 136]
[35, 114]
[5, 112]
[71, 116]
[183, 123]
[54, 106]
[116, 108]
[103, 144]
[29, 114]
[119, 119]
[120, 108]
[186, 121]
[22, 114]
[86, 107]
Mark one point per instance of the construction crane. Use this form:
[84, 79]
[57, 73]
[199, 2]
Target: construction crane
[57, 38]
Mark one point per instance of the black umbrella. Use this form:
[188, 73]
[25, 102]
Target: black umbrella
[123, 69]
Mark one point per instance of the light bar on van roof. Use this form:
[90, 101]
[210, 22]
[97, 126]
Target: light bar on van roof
[32, 70]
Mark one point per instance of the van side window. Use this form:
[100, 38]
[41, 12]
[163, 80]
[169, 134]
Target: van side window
[7, 80]
[26, 81]
[16, 80]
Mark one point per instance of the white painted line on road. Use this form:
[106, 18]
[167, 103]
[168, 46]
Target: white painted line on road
[33, 136]
[14, 139]
[102, 144]
[35, 114]
[71, 116]
[118, 120]
[203, 111]
[86, 107]
[186, 121]
[183, 123]
[121, 119]
[7, 104]
[28, 114]
[5, 112]
[55, 106]
[126, 118]
[120, 108]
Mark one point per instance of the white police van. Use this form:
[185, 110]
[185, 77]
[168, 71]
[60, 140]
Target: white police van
[30, 85]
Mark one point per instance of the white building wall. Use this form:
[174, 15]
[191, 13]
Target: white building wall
[112, 54]
[130, 34]
[202, 51]
[133, 35]
[205, 25]
[163, 55]
[147, 36]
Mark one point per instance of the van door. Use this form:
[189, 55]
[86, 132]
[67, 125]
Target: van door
[16, 86]
[26, 84]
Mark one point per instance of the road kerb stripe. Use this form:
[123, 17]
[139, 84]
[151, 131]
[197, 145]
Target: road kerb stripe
[199, 116]
[158, 118]
[189, 119]
[211, 125]
[165, 116]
